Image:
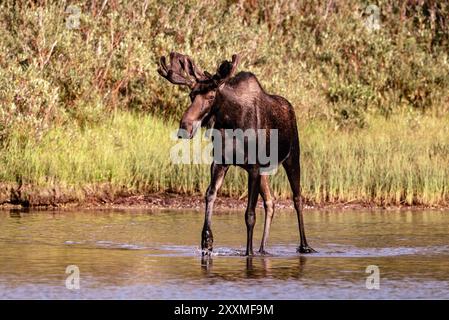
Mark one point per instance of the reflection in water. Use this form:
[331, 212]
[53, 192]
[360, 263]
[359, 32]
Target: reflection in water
[131, 254]
[261, 267]
[206, 264]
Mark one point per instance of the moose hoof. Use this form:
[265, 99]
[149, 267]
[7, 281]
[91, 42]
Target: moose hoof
[263, 252]
[206, 248]
[206, 252]
[305, 249]
[207, 241]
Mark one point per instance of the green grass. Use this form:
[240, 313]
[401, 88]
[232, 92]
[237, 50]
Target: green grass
[402, 161]
[372, 105]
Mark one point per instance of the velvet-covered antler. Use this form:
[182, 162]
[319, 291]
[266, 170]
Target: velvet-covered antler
[182, 70]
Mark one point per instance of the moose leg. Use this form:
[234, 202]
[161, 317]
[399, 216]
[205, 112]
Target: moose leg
[250, 214]
[218, 172]
[269, 210]
[293, 170]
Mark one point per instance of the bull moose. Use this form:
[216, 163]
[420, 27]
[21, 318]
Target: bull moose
[227, 100]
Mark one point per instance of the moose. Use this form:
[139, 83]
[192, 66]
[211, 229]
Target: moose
[227, 100]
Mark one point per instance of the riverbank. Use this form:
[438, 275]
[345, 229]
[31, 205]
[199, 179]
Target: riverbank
[402, 161]
[84, 114]
[10, 198]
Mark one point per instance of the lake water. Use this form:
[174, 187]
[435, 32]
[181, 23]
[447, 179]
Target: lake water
[155, 255]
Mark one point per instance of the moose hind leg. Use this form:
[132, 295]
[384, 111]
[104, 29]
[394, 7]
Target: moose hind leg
[292, 169]
[218, 173]
[250, 214]
[269, 211]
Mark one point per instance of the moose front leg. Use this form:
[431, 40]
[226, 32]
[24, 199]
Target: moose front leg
[250, 214]
[218, 172]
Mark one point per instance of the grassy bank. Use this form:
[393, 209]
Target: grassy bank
[83, 112]
[402, 161]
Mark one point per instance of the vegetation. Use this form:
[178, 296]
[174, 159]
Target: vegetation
[82, 108]
[392, 162]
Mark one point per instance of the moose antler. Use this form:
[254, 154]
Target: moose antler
[227, 69]
[182, 70]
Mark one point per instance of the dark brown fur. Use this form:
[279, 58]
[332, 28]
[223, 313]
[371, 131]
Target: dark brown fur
[239, 102]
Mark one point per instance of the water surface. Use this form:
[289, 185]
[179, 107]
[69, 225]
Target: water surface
[155, 255]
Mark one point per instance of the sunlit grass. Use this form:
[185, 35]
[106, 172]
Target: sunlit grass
[402, 161]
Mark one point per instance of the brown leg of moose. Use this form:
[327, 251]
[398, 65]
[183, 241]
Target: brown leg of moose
[268, 204]
[293, 170]
[218, 172]
[250, 214]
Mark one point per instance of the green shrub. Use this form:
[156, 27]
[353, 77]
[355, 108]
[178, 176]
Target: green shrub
[320, 56]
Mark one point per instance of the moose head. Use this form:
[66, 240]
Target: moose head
[204, 87]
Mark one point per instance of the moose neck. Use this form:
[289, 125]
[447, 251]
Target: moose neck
[237, 107]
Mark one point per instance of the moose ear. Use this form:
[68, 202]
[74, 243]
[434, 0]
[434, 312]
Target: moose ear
[227, 69]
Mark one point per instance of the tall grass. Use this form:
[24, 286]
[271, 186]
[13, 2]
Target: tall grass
[403, 161]
[83, 110]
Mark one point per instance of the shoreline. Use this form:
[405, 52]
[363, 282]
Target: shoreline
[70, 168]
[173, 201]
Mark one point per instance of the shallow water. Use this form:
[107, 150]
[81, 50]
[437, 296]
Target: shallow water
[155, 255]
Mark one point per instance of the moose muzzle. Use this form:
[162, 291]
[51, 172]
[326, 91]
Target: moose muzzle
[187, 129]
